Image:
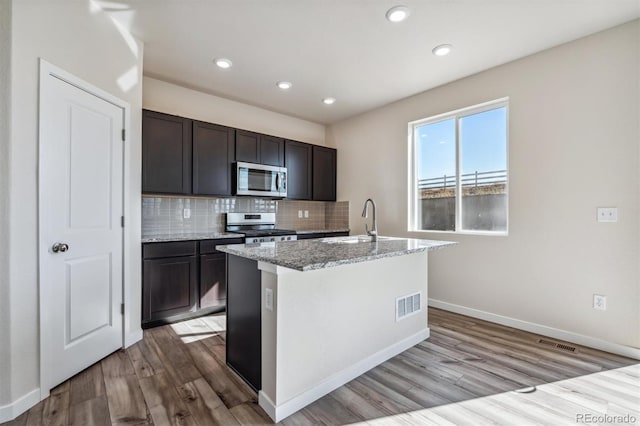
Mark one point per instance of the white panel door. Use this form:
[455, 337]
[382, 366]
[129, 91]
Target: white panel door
[81, 191]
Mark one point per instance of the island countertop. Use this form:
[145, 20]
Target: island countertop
[307, 255]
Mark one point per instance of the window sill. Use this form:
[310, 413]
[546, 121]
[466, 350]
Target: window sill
[479, 233]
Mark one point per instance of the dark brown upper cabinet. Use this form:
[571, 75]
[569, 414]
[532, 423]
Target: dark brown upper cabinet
[298, 161]
[324, 173]
[166, 153]
[247, 146]
[271, 150]
[213, 155]
[256, 148]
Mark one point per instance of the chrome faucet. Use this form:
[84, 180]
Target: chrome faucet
[374, 229]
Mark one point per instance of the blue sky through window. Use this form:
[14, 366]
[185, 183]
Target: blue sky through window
[483, 144]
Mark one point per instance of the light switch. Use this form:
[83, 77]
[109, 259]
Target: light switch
[186, 213]
[306, 213]
[607, 214]
[299, 214]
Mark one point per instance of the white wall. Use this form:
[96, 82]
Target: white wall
[79, 38]
[5, 99]
[574, 146]
[172, 99]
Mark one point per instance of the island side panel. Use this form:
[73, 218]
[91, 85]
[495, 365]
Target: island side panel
[244, 325]
[269, 333]
[334, 324]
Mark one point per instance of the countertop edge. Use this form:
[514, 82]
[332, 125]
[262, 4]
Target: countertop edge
[186, 237]
[330, 264]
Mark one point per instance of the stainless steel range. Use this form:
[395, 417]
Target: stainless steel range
[258, 227]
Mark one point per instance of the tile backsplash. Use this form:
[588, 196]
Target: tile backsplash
[162, 215]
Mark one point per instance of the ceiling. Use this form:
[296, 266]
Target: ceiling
[346, 48]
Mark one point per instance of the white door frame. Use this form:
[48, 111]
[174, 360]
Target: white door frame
[48, 70]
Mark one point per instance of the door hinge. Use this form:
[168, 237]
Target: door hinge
[123, 135]
[122, 309]
[122, 221]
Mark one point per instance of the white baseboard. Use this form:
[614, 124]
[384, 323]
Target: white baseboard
[279, 412]
[11, 411]
[544, 330]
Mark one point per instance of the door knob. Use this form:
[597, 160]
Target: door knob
[60, 247]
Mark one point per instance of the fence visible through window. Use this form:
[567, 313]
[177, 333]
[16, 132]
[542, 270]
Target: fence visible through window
[495, 177]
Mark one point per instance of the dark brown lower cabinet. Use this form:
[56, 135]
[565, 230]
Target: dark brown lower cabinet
[213, 280]
[170, 287]
[183, 279]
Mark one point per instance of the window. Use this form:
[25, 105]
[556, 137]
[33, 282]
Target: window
[459, 171]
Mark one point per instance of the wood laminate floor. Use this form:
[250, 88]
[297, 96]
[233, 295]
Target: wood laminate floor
[467, 372]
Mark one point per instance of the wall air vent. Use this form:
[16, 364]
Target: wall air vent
[557, 345]
[408, 305]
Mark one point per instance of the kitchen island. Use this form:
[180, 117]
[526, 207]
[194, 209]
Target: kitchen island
[305, 317]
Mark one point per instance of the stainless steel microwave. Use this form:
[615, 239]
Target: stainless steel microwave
[260, 180]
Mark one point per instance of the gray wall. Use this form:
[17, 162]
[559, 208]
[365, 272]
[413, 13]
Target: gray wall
[573, 146]
[86, 43]
[5, 101]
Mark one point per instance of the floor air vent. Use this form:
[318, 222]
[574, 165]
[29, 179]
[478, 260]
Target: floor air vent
[557, 345]
[408, 305]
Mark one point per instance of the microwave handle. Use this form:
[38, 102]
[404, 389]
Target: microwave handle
[278, 181]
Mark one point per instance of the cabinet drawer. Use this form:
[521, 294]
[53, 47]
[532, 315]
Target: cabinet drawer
[310, 236]
[336, 234]
[209, 246]
[169, 249]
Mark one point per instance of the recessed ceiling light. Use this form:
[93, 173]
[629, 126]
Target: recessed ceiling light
[397, 13]
[442, 50]
[328, 101]
[223, 63]
[284, 85]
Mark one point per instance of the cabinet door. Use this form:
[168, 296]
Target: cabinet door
[247, 146]
[297, 160]
[213, 148]
[324, 173]
[271, 150]
[169, 287]
[213, 280]
[166, 153]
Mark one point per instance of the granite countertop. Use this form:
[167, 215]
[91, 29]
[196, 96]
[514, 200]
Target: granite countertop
[321, 231]
[187, 237]
[307, 255]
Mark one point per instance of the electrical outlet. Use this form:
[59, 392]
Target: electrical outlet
[306, 214]
[268, 299]
[186, 213]
[600, 302]
[607, 214]
[299, 214]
